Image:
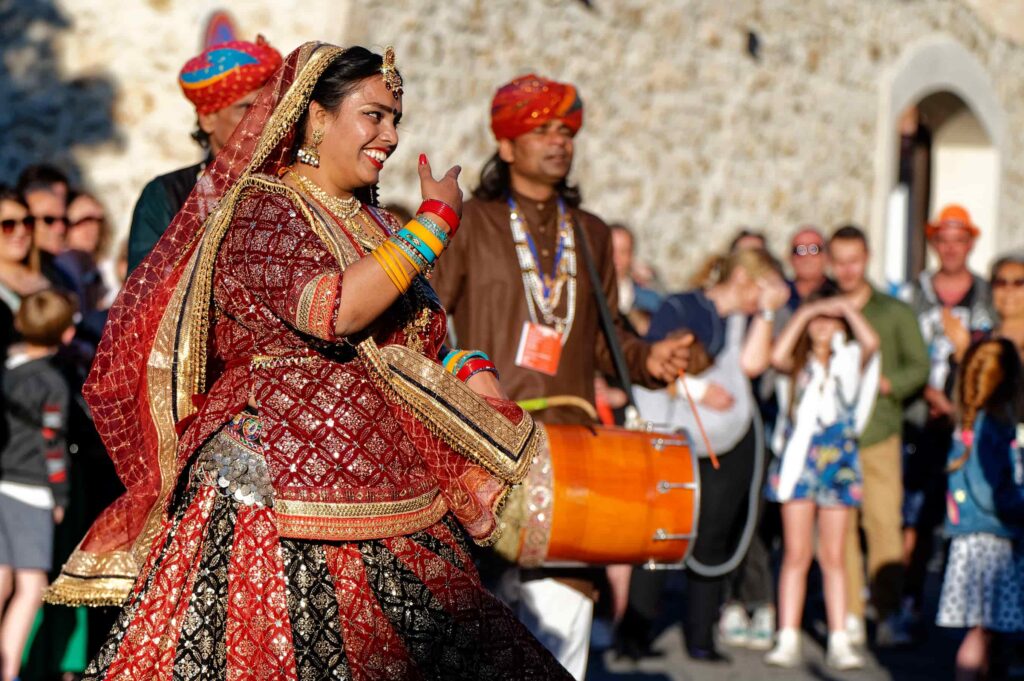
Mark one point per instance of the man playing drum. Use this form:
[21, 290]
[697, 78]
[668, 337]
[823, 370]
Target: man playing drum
[513, 288]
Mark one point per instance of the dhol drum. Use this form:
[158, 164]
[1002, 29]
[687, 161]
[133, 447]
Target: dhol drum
[599, 496]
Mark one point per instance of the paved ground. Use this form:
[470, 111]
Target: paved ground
[931, 660]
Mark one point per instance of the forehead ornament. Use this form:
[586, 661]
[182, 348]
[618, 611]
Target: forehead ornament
[392, 79]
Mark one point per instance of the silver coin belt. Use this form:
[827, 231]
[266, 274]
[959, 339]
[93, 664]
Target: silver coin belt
[236, 471]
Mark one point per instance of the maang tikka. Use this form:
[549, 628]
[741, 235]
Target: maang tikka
[309, 154]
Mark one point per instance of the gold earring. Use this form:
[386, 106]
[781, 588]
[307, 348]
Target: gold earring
[309, 154]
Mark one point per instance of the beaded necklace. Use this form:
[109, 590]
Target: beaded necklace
[543, 291]
[345, 210]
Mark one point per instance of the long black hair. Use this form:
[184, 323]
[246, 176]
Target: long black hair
[338, 80]
[496, 184]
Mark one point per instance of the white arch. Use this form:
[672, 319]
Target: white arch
[934, 64]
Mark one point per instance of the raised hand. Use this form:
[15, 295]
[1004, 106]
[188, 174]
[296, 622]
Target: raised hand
[446, 189]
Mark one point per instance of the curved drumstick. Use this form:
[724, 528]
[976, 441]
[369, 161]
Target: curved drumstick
[700, 424]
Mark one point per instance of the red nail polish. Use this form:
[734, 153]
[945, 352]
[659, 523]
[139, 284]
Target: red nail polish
[423, 159]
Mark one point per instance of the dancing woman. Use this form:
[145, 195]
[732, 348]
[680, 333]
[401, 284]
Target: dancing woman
[300, 466]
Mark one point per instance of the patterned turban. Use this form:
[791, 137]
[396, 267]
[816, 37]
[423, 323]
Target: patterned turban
[531, 101]
[223, 73]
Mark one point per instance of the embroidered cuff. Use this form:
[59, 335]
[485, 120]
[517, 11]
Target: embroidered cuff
[318, 304]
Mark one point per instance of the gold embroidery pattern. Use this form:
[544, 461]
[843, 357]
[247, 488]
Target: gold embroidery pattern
[453, 412]
[376, 526]
[322, 509]
[94, 579]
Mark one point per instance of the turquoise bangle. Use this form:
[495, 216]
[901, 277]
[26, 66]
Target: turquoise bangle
[417, 243]
[413, 253]
[433, 228]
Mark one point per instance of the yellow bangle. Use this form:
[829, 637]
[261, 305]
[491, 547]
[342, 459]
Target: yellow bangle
[453, 359]
[387, 270]
[426, 236]
[396, 263]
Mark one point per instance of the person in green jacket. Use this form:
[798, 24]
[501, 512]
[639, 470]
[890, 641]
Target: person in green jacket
[222, 83]
[905, 369]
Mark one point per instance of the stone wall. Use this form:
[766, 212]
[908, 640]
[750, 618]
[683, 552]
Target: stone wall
[688, 132]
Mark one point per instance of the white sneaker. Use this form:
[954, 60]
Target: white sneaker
[786, 652]
[762, 628]
[841, 655]
[855, 630]
[734, 626]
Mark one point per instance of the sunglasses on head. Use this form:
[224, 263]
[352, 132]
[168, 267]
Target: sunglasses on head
[9, 225]
[807, 249]
[1001, 282]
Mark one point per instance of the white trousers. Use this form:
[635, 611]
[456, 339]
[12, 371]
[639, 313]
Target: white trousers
[560, 617]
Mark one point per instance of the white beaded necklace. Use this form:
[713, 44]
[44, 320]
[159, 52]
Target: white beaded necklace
[540, 294]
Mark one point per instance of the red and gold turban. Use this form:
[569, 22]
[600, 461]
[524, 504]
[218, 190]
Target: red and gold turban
[530, 101]
[223, 73]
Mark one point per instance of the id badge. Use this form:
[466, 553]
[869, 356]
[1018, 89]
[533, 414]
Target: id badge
[540, 348]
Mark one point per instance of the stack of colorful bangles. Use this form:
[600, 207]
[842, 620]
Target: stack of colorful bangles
[419, 243]
[465, 364]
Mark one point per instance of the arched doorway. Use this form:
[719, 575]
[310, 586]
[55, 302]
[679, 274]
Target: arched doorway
[945, 156]
[940, 97]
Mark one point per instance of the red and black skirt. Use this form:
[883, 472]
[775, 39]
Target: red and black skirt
[223, 596]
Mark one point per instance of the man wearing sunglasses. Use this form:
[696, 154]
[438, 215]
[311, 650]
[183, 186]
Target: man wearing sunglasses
[952, 304]
[809, 260]
[45, 189]
[222, 83]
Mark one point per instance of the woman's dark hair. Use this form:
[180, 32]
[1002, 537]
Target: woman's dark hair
[201, 137]
[11, 194]
[1009, 259]
[338, 80]
[802, 350]
[496, 184]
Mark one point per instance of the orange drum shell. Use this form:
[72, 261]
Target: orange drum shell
[607, 506]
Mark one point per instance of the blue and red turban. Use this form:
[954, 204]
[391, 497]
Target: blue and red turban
[226, 72]
[530, 101]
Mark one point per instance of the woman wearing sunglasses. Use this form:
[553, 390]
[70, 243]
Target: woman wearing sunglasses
[1007, 283]
[19, 261]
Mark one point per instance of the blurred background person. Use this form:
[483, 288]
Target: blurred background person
[808, 259]
[222, 83]
[19, 260]
[45, 189]
[636, 302]
[904, 372]
[1007, 283]
[829, 366]
[952, 304]
[742, 284]
[983, 588]
[33, 467]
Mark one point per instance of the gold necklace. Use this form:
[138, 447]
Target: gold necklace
[343, 209]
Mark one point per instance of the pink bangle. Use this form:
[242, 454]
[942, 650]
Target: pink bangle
[443, 211]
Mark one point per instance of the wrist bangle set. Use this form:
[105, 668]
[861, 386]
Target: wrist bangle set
[419, 244]
[464, 364]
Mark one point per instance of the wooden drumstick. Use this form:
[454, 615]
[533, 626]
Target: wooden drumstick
[696, 415]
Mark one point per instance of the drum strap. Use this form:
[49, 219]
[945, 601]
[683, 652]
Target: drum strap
[605, 314]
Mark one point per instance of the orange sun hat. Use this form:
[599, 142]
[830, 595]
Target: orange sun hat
[952, 215]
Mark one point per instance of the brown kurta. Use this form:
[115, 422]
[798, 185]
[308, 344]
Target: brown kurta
[480, 284]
